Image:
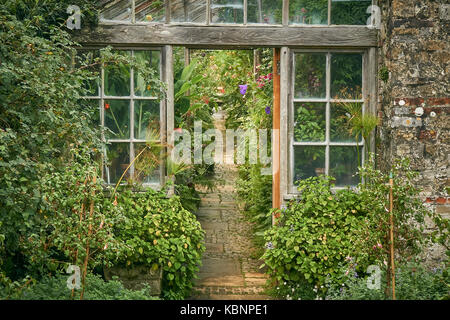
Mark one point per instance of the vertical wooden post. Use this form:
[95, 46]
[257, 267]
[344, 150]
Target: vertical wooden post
[170, 108]
[276, 194]
[391, 234]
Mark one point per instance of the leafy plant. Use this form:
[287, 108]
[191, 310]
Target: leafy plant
[158, 232]
[55, 288]
[313, 234]
[413, 282]
[317, 233]
[255, 191]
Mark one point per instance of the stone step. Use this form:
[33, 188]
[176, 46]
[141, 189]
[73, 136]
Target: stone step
[226, 297]
[219, 267]
[228, 290]
[212, 280]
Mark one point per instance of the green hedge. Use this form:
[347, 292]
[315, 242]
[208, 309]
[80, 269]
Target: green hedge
[159, 232]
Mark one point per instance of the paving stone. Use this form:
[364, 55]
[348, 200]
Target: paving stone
[214, 225]
[221, 266]
[211, 213]
[214, 247]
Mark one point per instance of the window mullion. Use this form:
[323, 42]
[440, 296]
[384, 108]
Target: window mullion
[328, 113]
[329, 12]
[208, 12]
[133, 11]
[245, 11]
[132, 118]
[102, 120]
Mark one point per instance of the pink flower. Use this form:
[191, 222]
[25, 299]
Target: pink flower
[105, 247]
[379, 245]
[303, 10]
[101, 224]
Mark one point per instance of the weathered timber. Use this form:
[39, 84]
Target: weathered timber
[228, 36]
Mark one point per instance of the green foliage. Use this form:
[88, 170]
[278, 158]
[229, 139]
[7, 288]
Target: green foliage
[190, 106]
[309, 124]
[42, 120]
[413, 282]
[55, 288]
[51, 211]
[76, 219]
[160, 233]
[359, 124]
[409, 212]
[255, 190]
[43, 14]
[319, 231]
[313, 234]
[383, 73]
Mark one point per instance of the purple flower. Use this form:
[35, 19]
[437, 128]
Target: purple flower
[243, 88]
[269, 245]
[268, 109]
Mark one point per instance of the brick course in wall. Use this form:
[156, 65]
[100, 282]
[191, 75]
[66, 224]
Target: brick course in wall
[415, 50]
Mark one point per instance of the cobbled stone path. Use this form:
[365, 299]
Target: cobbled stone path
[230, 269]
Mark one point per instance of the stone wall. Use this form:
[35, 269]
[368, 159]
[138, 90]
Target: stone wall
[414, 67]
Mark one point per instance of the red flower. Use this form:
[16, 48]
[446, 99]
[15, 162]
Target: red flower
[106, 106]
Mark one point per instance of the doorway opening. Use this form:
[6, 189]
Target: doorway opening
[223, 104]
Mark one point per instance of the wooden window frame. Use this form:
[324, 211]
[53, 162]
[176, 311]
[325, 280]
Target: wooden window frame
[132, 141]
[369, 94]
[167, 7]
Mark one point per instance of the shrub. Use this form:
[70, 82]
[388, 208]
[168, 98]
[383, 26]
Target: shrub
[313, 234]
[413, 282]
[321, 230]
[55, 288]
[159, 232]
[255, 190]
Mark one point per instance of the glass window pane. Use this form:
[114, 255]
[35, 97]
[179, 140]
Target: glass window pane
[188, 11]
[350, 11]
[344, 165]
[146, 120]
[227, 11]
[117, 78]
[147, 165]
[310, 75]
[341, 114]
[117, 119]
[116, 10]
[151, 59]
[117, 161]
[265, 11]
[310, 122]
[308, 162]
[150, 11]
[346, 75]
[308, 12]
